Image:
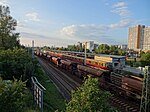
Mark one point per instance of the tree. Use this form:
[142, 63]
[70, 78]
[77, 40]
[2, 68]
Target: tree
[89, 98]
[121, 52]
[103, 49]
[15, 63]
[13, 96]
[8, 38]
[145, 59]
[113, 50]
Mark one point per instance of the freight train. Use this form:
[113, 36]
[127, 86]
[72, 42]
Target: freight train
[126, 85]
[91, 62]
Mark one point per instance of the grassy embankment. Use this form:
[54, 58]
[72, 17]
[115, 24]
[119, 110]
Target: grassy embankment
[53, 100]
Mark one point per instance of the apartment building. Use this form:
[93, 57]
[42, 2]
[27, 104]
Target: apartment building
[139, 38]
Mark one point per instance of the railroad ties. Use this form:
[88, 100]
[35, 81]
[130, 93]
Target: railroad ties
[124, 106]
[64, 83]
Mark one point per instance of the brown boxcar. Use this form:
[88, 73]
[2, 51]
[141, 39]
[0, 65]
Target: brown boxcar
[66, 64]
[90, 71]
[132, 85]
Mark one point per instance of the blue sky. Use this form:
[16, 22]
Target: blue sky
[64, 22]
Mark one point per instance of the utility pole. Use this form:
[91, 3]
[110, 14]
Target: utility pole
[32, 49]
[28, 49]
[85, 53]
[145, 99]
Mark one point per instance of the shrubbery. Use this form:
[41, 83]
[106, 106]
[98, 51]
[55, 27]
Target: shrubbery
[14, 96]
[89, 98]
[15, 63]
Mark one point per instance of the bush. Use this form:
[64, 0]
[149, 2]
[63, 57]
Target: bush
[13, 96]
[15, 63]
[89, 98]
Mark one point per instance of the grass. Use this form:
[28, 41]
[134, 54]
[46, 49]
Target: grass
[53, 100]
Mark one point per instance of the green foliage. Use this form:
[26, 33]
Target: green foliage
[89, 98]
[13, 96]
[75, 48]
[8, 38]
[121, 52]
[145, 59]
[112, 50]
[141, 53]
[103, 49]
[15, 63]
[137, 64]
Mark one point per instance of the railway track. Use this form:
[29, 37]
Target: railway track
[124, 105]
[64, 83]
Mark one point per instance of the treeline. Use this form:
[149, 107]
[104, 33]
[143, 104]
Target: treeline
[16, 64]
[16, 67]
[106, 49]
[142, 61]
[14, 61]
[101, 49]
[145, 59]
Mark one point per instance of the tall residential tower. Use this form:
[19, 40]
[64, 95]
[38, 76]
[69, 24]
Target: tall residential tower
[139, 38]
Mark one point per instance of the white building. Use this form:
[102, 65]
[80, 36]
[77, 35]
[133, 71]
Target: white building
[89, 45]
[124, 46]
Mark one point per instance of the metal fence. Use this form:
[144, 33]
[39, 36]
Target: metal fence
[37, 89]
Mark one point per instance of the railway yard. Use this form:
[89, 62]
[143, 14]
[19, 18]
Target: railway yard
[67, 78]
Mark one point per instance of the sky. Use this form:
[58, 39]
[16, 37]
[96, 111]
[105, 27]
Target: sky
[66, 22]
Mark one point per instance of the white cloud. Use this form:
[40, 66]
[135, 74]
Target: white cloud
[4, 2]
[33, 16]
[90, 30]
[69, 30]
[121, 24]
[42, 40]
[121, 9]
[119, 4]
[98, 33]
[20, 24]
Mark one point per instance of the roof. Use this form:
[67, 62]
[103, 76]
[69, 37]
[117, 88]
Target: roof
[111, 56]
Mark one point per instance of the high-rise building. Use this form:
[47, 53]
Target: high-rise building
[139, 38]
[135, 37]
[146, 40]
[89, 45]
